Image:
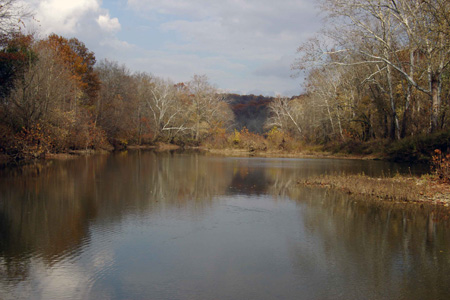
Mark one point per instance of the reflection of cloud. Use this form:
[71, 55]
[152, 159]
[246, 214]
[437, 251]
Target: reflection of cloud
[62, 280]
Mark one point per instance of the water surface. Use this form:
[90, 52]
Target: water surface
[142, 225]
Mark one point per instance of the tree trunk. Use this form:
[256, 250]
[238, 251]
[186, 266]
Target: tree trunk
[436, 104]
[395, 132]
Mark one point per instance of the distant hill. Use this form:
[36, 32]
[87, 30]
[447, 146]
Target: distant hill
[250, 111]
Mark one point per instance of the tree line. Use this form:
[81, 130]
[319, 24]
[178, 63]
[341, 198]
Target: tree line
[379, 69]
[56, 97]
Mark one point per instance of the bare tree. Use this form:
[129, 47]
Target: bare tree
[167, 112]
[12, 15]
[208, 108]
[405, 42]
[117, 101]
[44, 92]
[415, 25]
[285, 114]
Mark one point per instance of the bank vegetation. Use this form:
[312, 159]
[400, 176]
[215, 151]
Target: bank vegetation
[377, 83]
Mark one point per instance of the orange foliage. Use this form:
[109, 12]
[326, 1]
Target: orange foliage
[78, 59]
[441, 165]
[33, 143]
[217, 138]
[250, 141]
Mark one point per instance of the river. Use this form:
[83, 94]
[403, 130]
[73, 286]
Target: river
[145, 225]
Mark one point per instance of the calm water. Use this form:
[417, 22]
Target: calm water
[187, 226]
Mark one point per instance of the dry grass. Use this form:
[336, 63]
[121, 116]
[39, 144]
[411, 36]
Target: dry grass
[284, 154]
[166, 147]
[398, 188]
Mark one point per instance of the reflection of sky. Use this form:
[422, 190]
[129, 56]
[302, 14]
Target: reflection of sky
[69, 278]
[169, 227]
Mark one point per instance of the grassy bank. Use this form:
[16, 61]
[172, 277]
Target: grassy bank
[398, 188]
[305, 153]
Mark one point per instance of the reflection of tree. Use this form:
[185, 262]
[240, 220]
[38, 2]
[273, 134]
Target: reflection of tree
[276, 176]
[391, 250]
[46, 211]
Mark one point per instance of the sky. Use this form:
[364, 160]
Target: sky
[242, 46]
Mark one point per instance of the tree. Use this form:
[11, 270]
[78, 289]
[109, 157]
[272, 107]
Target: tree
[12, 15]
[421, 27]
[14, 58]
[45, 89]
[117, 102]
[167, 113]
[399, 49]
[74, 54]
[286, 114]
[208, 108]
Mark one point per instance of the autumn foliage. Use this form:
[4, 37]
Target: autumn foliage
[55, 97]
[33, 142]
[441, 166]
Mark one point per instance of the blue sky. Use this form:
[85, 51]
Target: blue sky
[243, 46]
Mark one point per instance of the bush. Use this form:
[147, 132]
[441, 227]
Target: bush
[355, 146]
[419, 148]
[7, 143]
[87, 135]
[248, 140]
[217, 139]
[441, 165]
[279, 140]
[32, 143]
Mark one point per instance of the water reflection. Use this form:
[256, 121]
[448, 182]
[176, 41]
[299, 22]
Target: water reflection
[127, 225]
[46, 211]
[388, 251]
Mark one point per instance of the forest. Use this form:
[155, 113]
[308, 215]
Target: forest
[376, 77]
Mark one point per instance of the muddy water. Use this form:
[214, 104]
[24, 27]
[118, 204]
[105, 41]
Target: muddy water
[141, 225]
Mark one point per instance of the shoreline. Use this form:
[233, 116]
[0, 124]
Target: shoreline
[397, 189]
[7, 160]
[282, 154]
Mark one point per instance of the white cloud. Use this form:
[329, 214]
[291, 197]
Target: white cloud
[239, 44]
[263, 33]
[116, 44]
[65, 17]
[280, 68]
[107, 24]
[86, 20]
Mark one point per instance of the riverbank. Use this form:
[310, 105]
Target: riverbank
[400, 189]
[290, 154]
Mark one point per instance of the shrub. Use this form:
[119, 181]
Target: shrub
[217, 138]
[33, 142]
[87, 135]
[279, 140]
[440, 163]
[248, 140]
[420, 147]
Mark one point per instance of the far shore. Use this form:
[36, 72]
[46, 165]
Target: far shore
[399, 189]
[286, 154]
[231, 152]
